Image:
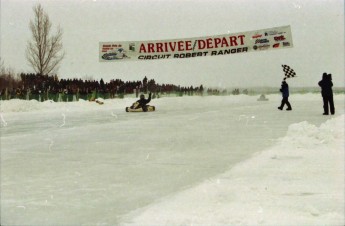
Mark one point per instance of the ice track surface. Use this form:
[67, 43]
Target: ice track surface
[81, 163]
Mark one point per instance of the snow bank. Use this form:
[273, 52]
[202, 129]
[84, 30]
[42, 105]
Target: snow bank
[300, 181]
[17, 105]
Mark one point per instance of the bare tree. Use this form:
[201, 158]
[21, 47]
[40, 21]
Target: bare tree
[44, 51]
[2, 67]
[8, 79]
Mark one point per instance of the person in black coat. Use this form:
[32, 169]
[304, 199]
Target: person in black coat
[285, 93]
[327, 93]
[142, 102]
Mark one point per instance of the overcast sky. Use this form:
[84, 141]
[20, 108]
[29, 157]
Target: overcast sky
[317, 30]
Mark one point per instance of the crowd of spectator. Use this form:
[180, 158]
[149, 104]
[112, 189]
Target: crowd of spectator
[45, 85]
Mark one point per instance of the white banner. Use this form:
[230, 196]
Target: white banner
[243, 42]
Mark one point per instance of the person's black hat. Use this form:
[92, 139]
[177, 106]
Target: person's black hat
[330, 76]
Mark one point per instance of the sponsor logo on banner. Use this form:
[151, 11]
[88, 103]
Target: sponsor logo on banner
[261, 47]
[131, 47]
[270, 33]
[276, 45]
[279, 38]
[261, 41]
[114, 54]
[227, 44]
[110, 47]
[257, 36]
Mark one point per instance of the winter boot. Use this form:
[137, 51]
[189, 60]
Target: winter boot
[289, 106]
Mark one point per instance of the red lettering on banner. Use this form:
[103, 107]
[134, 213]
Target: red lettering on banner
[217, 41]
[188, 45]
[225, 42]
[201, 44]
[159, 47]
[172, 47]
[212, 43]
[142, 48]
[180, 46]
[241, 37]
[233, 41]
[151, 47]
[209, 43]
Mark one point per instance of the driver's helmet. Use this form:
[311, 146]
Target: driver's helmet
[142, 96]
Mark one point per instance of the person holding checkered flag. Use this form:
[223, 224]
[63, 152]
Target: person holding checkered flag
[289, 72]
[285, 93]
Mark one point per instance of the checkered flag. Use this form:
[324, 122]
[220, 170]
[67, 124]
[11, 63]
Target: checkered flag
[288, 71]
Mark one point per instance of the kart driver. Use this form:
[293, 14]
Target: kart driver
[142, 102]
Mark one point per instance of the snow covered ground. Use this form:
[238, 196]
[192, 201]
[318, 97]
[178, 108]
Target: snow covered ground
[228, 160]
